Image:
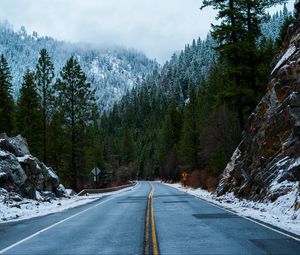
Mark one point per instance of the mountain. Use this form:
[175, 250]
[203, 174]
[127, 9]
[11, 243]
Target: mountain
[266, 164]
[112, 71]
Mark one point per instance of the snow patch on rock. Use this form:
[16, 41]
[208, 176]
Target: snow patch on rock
[290, 51]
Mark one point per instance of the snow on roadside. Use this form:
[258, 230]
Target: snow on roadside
[28, 208]
[279, 213]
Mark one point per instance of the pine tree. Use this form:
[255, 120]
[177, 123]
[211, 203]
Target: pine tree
[127, 146]
[76, 101]
[94, 149]
[189, 134]
[170, 131]
[237, 36]
[254, 14]
[6, 99]
[289, 19]
[44, 78]
[58, 145]
[28, 113]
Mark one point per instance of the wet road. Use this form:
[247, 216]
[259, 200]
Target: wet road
[113, 225]
[116, 224]
[188, 225]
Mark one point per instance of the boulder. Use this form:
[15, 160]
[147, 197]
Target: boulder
[61, 191]
[48, 195]
[15, 145]
[23, 173]
[11, 171]
[52, 177]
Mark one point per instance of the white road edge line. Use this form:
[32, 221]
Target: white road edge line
[58, 223]
[244, 217]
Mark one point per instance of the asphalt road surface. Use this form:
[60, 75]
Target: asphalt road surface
[122, 224]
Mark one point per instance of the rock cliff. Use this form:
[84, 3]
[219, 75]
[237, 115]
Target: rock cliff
[23, 175]
[266, 164]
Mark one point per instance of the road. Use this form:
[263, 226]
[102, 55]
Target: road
[150, 218]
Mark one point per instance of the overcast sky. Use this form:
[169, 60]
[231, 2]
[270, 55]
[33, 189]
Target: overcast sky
[156, 27]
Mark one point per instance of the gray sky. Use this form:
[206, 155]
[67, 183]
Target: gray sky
[156, 27]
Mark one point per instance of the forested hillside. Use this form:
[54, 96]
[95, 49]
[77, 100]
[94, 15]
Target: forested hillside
[111, 71]
[185, 116]
[189, 115]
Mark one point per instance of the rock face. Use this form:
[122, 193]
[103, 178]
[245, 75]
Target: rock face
[267, 162]
[24, 174]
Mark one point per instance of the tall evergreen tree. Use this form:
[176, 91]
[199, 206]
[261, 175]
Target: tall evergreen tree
[237, 35]
[44, 78]
[6, 99]
[189, 134]
[76, 101]
[58, 145]
[127, 146]
[171, 129]
[254, 14]
[28, 113]
[289, 19]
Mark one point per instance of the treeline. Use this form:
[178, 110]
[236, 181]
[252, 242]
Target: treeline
[185, 119]
[57, 116]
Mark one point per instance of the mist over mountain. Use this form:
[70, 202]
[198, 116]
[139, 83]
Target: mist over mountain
[111, 71]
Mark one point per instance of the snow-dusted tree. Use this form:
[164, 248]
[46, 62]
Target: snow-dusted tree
[76, 101]
[28, 114]
[44, 77]
[237, 34]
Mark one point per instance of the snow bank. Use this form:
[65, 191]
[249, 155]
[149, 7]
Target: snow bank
[279, 213]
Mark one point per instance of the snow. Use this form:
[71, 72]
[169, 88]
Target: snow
[38, 195]
[24, 158]
[52, 173]
[230, 166]
[28, 208]
[295, 164]
[69, 192]
[291, 50]
[2, 174]
[279, 213]
[3, 153]
[282, 162]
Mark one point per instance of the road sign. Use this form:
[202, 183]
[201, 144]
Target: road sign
[184, 176]
[96, 171]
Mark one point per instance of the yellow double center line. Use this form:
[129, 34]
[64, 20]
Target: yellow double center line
[150, 218]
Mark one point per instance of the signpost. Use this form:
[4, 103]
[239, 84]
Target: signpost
[95, 172]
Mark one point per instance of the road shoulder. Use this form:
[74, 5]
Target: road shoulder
[283, 219]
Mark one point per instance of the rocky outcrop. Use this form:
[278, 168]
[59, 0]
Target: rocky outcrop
[23, 174]
[267, 162]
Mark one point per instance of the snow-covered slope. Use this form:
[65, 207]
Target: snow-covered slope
[112, 71]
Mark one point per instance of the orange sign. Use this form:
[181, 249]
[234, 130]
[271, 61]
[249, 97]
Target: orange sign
[184, 176]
